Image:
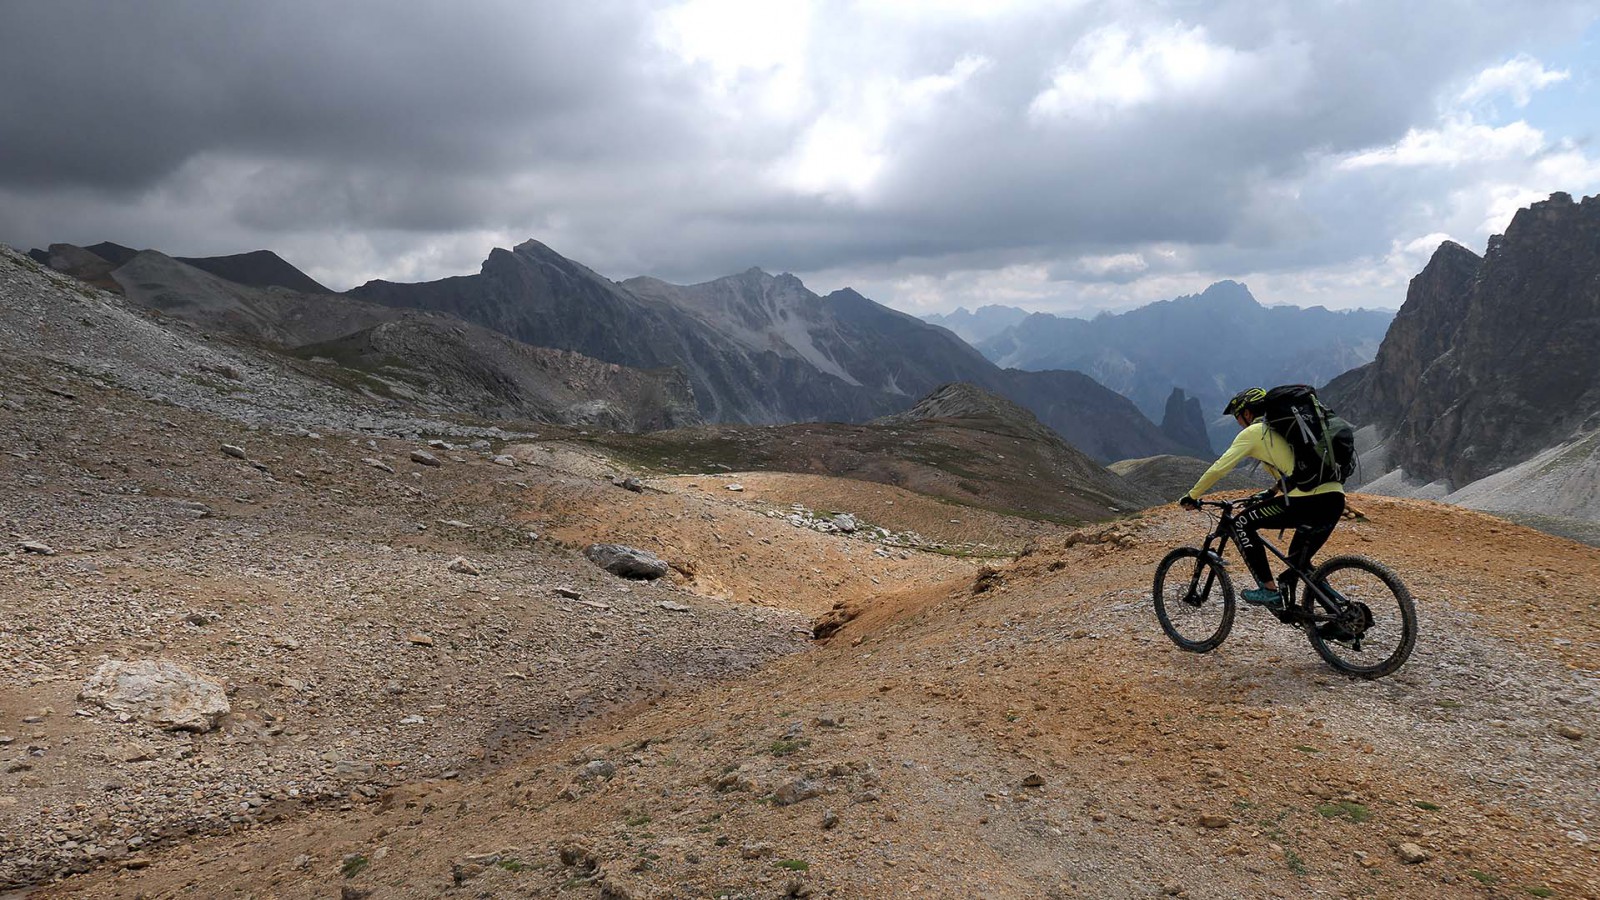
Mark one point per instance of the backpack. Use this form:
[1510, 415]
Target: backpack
[1324, 444]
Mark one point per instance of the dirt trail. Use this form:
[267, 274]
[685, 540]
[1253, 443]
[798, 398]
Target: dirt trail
[1037, 737]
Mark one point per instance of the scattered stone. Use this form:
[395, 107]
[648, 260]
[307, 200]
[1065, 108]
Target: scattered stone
[413, 720]
[36, 547]
[631, 484]
[167, 694]
[1172, 888]
[569, 593]
[672, 606]
[594, 604]
[755, 850]
[830, 819]
[378, 464]
[421, 640]
[1570, 732]
[465, 566]
[454, 523]
[1214, 820]
[509, 462]
[1411, 854]
[735, 487]
[599, 768]
[1034, 780]
[845, 523]
[234, 451]
[424, 458]
[628, 562]
[796, 791]
[577, 856]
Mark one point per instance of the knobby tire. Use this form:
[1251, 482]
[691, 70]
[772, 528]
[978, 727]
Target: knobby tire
[1216, 602]
[1399, 604]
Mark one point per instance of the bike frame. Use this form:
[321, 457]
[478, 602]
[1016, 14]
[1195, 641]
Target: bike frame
[1219, 538]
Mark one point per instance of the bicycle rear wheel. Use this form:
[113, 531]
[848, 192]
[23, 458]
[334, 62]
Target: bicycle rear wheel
[1194, 599]
[1374, 635]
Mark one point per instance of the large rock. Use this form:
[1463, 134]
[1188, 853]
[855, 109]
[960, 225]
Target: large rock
[164, 693]
[629, 562]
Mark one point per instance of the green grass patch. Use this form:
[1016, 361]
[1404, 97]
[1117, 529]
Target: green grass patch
[636, 821]
[512, 864]
[786, 747]
[1305, 749]
[1482, 877]
[354, 865]
[794, 865]
[1423, 804]
[1448, 704]
[1539, 890]
[1294, 862]
[1344, 809]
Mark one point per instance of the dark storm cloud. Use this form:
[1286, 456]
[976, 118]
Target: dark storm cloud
[417, 132]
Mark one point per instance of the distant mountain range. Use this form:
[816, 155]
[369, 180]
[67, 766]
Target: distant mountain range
[751, 347]
[981, 325]
[762, 348]
[1486, 391]
[1211, 345]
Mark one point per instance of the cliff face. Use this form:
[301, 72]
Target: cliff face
[1491, 361]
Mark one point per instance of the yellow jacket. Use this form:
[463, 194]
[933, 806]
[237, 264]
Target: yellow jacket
[1257, 441]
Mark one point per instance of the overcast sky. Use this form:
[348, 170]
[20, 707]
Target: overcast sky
[1056, 156]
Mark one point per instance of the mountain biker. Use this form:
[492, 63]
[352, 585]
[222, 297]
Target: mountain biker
[1311, 513]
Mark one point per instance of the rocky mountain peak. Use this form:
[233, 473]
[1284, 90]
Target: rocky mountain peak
[1185, 423]
[1492, 360]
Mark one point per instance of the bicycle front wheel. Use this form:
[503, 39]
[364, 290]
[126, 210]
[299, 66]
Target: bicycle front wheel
[1373, 635]
[1193, 599]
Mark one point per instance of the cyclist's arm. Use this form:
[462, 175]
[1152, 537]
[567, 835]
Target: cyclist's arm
[1237, 451]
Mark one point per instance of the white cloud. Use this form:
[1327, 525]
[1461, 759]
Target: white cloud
[1457, 141]
[1517, 78]
[1112, 70]
[1115, 264]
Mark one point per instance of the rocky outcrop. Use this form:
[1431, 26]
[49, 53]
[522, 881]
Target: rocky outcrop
[166, 694]
[1185, 424]
[626, 562]
[1491, 362]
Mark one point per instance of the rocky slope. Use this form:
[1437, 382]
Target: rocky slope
[437, 365]
[433, 693]
[1170, 477]
[969, 448]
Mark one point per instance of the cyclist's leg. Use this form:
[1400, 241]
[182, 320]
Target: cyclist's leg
[1271, 514]
[1316, 517]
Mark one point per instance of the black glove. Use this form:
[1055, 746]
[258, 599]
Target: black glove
[1188, 502]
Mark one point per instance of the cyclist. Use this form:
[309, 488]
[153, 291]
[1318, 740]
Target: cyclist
[1311, 513]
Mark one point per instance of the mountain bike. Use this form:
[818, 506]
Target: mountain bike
[1357, 613]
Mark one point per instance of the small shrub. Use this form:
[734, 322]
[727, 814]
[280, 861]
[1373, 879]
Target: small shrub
[1294, 862]
[1423, 804]
[786, 747]
[1539, 890]
[1482, 877]
[1344, 809]
[794, 865]
[354, 865]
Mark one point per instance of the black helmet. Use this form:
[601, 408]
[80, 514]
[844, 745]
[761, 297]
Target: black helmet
[1249, 398]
